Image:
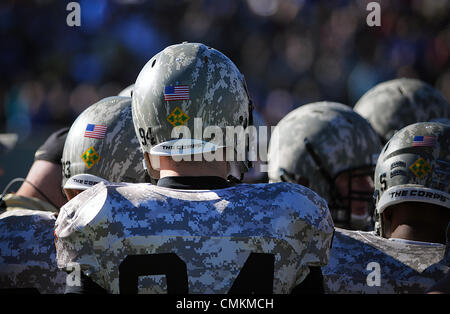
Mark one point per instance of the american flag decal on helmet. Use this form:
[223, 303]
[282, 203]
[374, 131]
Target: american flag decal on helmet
[424, 141]
[95, 131]
[180, 92]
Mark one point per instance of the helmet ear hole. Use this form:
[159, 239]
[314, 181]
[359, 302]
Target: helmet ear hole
[153, 63]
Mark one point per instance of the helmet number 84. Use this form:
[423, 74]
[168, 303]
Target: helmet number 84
[256, 276]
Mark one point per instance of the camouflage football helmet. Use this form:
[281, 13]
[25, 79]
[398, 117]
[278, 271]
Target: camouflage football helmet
[127, 91]
[414, 166]
[102, 142]
[188, 87]
[315, 143]
[392, 105]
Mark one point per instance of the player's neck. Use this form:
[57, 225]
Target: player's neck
[194, 169]
[190, 173]
[412, 233]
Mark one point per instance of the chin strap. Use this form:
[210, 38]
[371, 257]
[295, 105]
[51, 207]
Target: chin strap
[2, 196]
[2, 201]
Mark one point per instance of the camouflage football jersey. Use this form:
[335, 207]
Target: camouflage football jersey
[362, 262]
[28, 253]
[150, 239]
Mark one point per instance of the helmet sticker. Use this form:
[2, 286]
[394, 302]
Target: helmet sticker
[90, 157]
[398, 164]
[398, 172]
[95, 131]
[180, 92]
[177, 117]
[424, 141]
[399, 194]
[420, 168]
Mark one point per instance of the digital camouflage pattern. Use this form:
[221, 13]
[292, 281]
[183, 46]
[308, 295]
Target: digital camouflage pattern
[403, 267]
[414, 166]
[212, 231]
[341, 138]
[392, 105]
[214, 91]
[115, 156]
[27, 249]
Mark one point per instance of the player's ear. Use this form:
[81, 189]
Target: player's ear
[387, 222]
[152, 163]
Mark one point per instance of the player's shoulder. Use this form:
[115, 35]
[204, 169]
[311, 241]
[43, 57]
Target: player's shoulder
[28, 213]
[84, 207]
[276, 194]
[283, 192]
[300, 199]
[22, 230]
[411, 253]
[355, 234]
[99, 202]
[18, 220]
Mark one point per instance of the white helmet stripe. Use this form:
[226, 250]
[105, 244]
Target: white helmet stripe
[401, 193]
[83, 181]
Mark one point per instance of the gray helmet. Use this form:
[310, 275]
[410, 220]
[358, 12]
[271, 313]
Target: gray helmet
[102, 142]
[414, 166]
[314, 144]
[178, 86]
[394, 104]
[127, 91]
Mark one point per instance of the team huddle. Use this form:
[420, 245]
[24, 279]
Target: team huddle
[130, 199]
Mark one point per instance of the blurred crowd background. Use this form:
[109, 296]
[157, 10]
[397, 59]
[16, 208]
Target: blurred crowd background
[291, 52]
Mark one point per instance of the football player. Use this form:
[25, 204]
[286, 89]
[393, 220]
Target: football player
[407, 252]
[331, 149]
[392, 105]
[27, 218]
[195, 231]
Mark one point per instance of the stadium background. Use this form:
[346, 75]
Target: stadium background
[291, 52]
